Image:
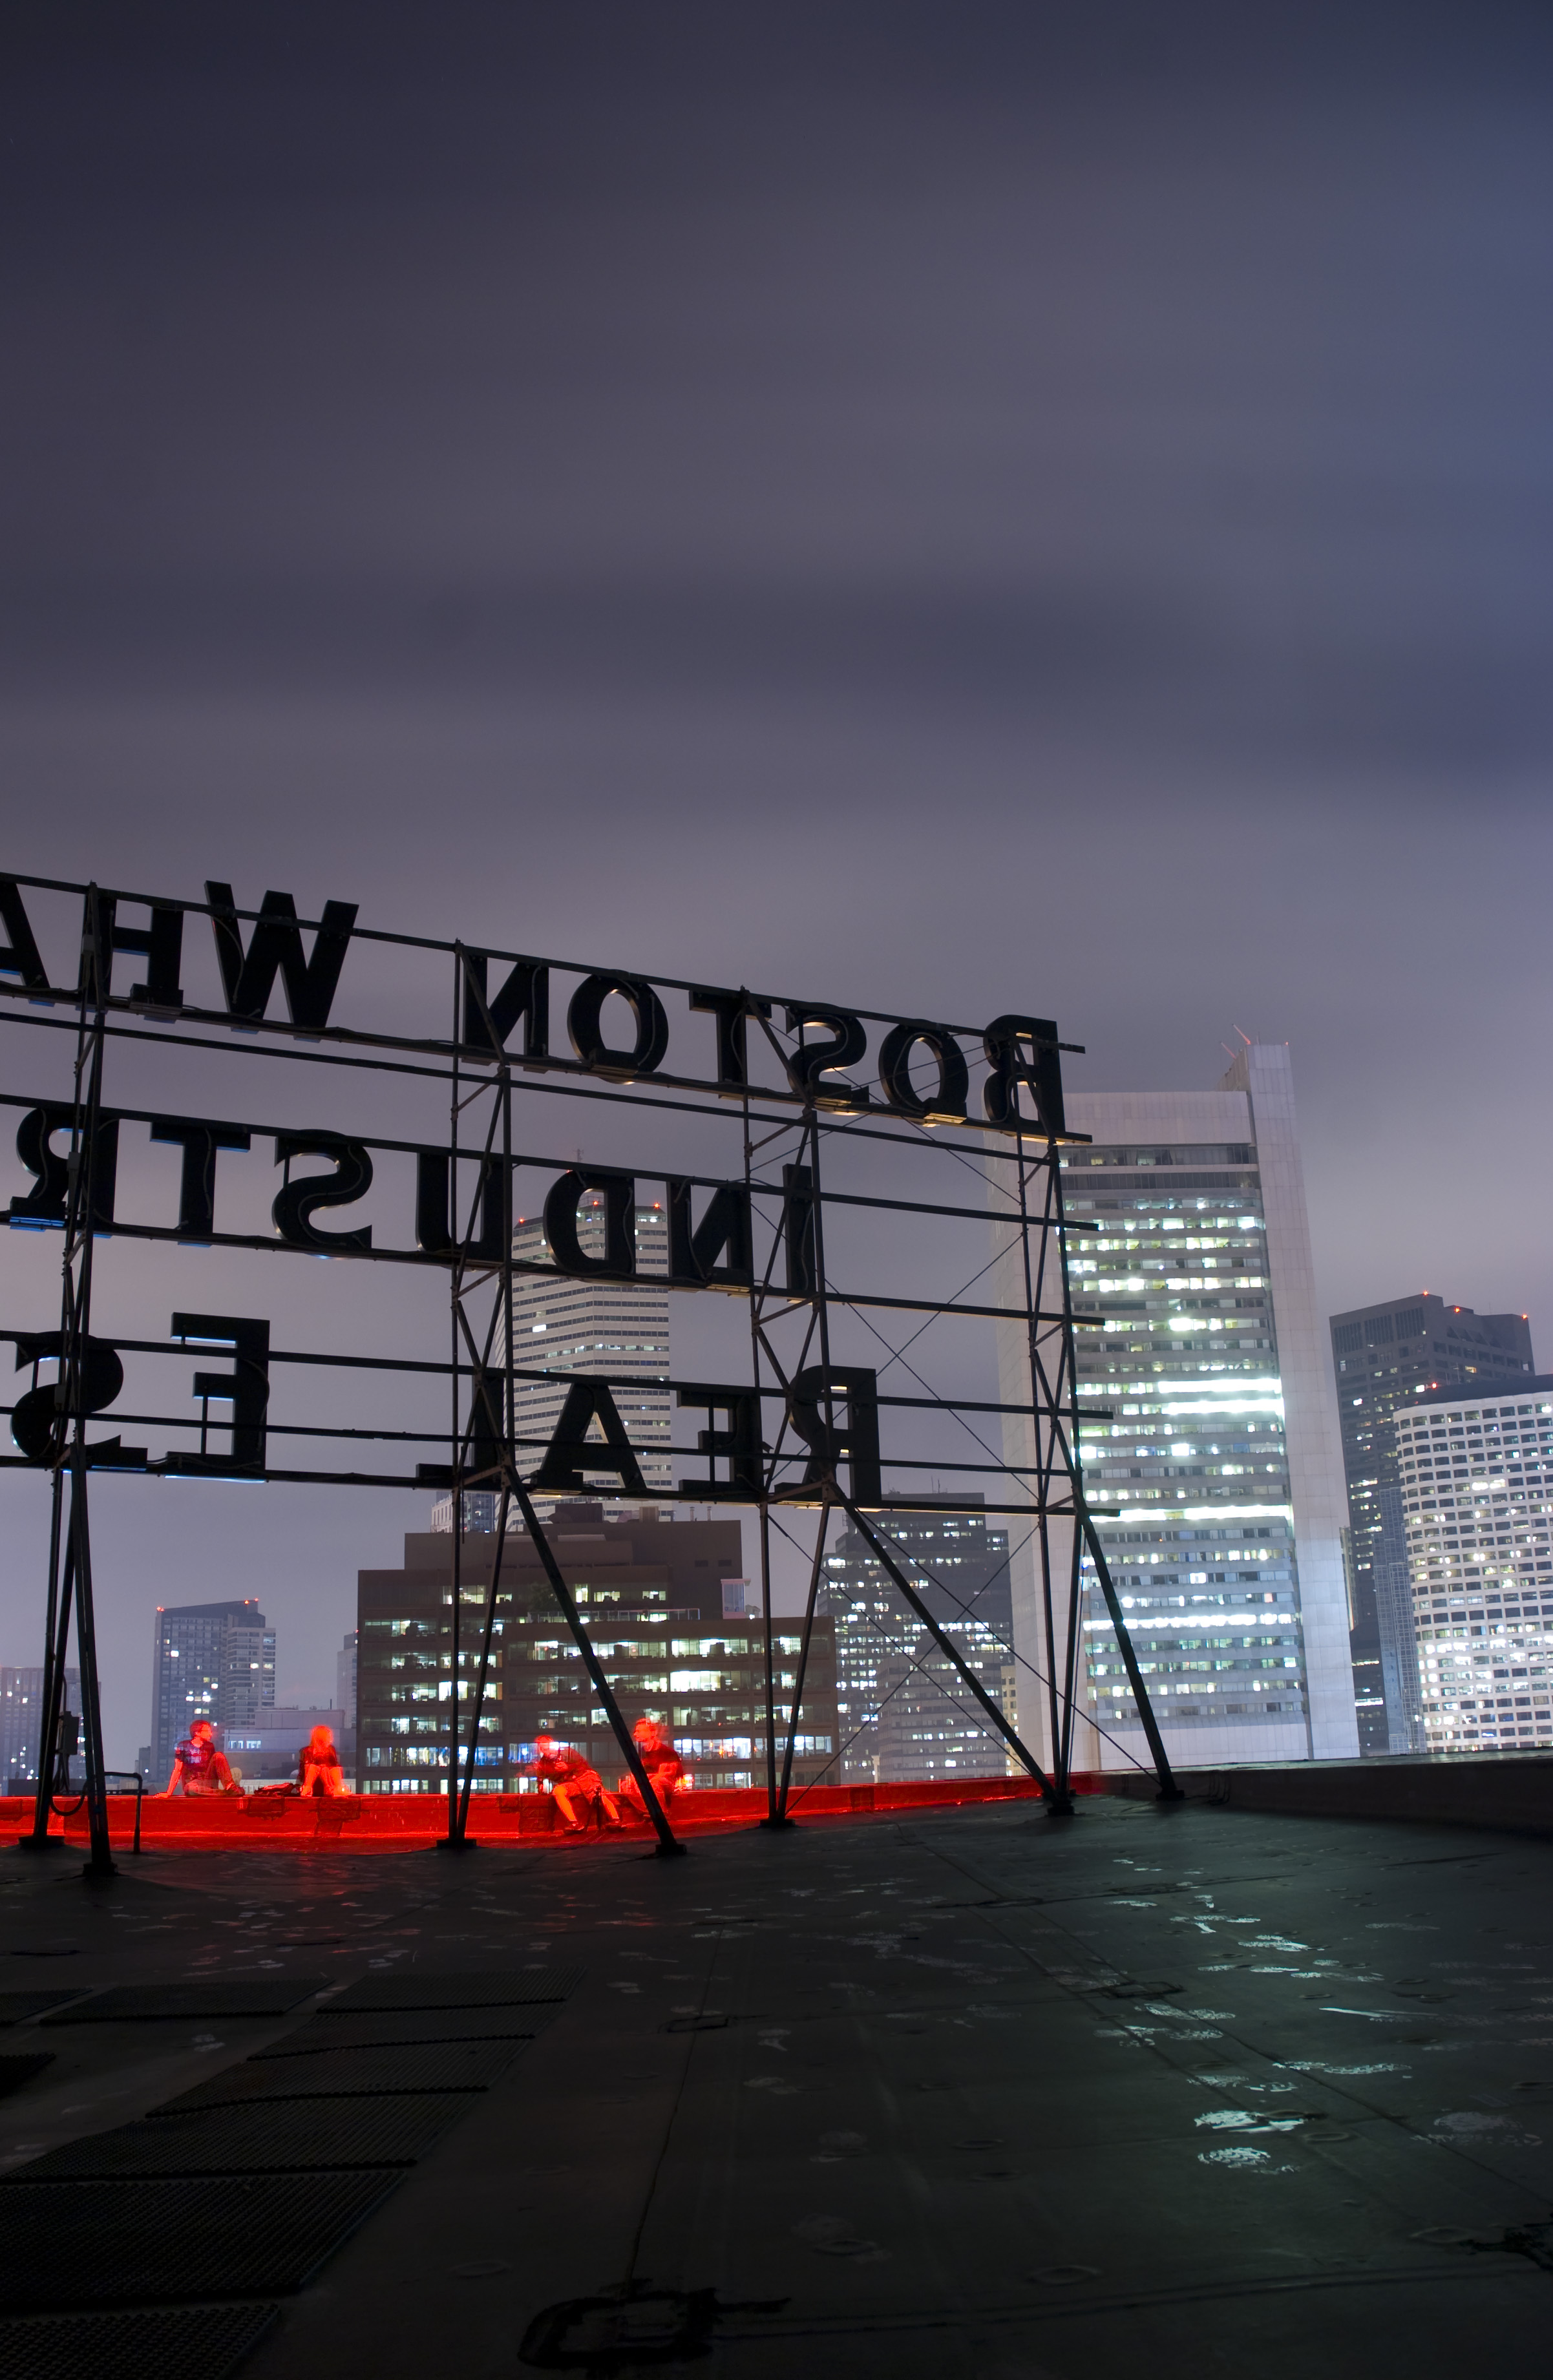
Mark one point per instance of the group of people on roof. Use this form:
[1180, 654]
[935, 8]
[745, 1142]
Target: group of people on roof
[579, 1791]
[200, 1766]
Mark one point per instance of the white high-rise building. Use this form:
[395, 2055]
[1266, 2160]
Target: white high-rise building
[566, 1324]
[1220, 1453]
[1477, 1469]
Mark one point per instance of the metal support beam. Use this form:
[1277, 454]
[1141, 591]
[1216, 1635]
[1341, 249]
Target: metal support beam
[781, 1818]
[62, 1589]
[484, 1664]
[950, 1650]
[1169, 1790]
[67, 1454]
[499, 1424]
[667, 1841]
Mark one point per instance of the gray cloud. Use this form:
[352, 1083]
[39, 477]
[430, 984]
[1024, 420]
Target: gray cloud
[960, 508]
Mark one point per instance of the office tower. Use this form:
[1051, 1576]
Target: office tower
[903, 1712]
[664, 1603]
[1475, 1480]
[21, 1718]
[210, 1660]
[1386, 1357]
[568, 1324]
[1219, 1452]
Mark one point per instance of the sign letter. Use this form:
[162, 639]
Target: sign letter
[246, 1388]
[276, 948]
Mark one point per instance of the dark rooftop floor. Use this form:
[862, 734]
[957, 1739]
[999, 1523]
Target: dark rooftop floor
[1185, 2091]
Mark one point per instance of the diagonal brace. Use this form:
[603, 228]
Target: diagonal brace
[1169, 1790]
[950, 1651]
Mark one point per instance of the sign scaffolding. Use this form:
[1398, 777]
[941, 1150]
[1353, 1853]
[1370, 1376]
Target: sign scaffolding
[867, 1145]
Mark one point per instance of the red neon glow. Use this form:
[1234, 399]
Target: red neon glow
[664, 1768]
[405, 1822]
[575, 1787]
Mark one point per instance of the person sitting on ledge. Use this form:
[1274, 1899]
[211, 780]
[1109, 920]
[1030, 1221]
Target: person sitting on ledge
[320, 1771]
[664, 1768]
[198, 1767]
[573, 1782]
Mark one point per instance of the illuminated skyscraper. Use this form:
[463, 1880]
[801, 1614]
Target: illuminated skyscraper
[1474, 1472]
[211, 1660]
[21, 1719]
[1386, 1356]
[619, 1328]
[1219, 1452]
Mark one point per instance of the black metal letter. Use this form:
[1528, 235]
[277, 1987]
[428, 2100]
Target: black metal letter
[797, 1230]
[19, 955]
[276, 948]
[619, 1259]
[731, 1010]
[693, 1251]
[434, 1226]
[198, 1139]
[37, 1416]
[739, 1443]
[807, 1066]
[45, 1205]
[858, 1440]
[526, 993]
[160, 943]
[246, 1388]
[583, 1023]
[431, 1232]
[947, 1104]
[351, 1179]
[570, 1452]
[1040, 1072]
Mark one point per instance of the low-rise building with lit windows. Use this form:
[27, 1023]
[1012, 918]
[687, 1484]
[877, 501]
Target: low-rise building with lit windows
[664, 1603]
[1476, 1472]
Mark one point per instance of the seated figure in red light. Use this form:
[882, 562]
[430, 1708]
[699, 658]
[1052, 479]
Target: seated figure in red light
[664, 1768]
[320, 1763]
[198, 1767]
[572, 1785]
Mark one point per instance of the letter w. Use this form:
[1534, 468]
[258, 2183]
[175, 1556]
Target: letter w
[276, 948]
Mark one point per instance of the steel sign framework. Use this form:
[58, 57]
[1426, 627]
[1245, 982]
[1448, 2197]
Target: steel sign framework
[849, 1167]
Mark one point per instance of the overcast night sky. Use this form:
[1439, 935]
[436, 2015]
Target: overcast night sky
[960, 508]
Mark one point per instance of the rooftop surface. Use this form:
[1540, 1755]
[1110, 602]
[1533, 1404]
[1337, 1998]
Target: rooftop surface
[977, 2092]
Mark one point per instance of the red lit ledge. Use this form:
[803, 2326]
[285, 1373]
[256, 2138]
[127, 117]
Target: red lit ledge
[402, 1822]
